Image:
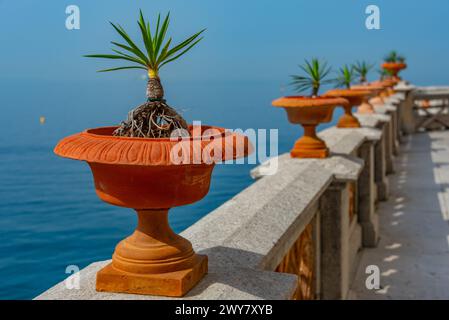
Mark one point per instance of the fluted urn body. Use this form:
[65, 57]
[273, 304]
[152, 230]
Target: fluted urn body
[355, 97]
[394, 68]
[309, 112]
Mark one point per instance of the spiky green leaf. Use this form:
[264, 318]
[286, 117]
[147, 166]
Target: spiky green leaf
[158, 52]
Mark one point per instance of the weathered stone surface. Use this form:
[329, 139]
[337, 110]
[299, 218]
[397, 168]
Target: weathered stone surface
[382, 151]
[385, 109]
[218, 284]
[395, 99]
[343, 167]
[367, 120]
[367, 194]
[430, 93]
[334, 242]
[342, 141]
[399, 95]
[371, 134]
[404, 87]
[260, 233]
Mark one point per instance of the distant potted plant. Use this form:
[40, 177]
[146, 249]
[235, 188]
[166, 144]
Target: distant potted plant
[389, 85]
[384, 74]
[388, 81]
[361, 69]
[394, 63]
[384, 82]
[355, 97]
[152, 162]
[309, 111]
[367, 107]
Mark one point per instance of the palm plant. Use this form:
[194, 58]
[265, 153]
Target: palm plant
[316, 72]
[384, 73]
[361, 69]
[345, 76]
[154, 118]
[393, 56]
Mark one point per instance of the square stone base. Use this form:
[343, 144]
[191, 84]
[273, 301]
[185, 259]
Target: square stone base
[314, 154]
[172, 284]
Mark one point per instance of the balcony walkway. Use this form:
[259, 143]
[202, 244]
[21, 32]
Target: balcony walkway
[413, 252]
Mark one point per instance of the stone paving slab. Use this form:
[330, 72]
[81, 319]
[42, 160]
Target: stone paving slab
[413, 252]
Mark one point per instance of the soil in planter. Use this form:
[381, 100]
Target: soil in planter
[153, 119]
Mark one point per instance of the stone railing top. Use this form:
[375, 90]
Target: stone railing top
[433, 89]
[431, 93]
[370, 134]
[372, 120]
[343, 167]
[342, 144]
[218, 284]
[357, 135]
[404, 87]
[385, 108]
[342, 141]
[256, 228]
[395, 99]
[400, 96]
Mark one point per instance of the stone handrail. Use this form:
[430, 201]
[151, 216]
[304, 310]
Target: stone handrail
[295, 234]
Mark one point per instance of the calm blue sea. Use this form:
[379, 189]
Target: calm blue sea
[50, 216]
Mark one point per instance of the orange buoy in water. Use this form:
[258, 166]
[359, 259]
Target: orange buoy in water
[42, 120]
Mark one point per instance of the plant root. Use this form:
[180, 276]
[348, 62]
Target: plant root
[153, 119]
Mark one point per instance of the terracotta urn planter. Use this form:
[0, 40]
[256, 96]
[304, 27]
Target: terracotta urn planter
[366, 107]
[309, 112]
[355, 97]
[425, 104]
[380, 96]
[394, 68]
[389, 85]
[152, 175]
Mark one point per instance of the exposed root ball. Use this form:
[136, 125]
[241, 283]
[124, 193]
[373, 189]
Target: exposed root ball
[154, 119]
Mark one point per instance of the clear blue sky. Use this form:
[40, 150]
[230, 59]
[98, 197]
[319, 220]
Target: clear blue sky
[253, 40]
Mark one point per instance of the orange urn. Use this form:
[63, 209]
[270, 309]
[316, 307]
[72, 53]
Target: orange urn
[389, 84]
[355, 97]
[394, 68]
[309, 112]
[366, 107]
[152, 175]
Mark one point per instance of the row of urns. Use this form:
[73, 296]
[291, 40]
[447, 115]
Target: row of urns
[138, 173]
[313, 110]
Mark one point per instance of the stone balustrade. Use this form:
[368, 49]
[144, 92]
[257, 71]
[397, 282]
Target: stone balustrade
[298, 233]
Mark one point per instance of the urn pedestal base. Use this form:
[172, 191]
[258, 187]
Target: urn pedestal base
[348, 121]
[355, 97]
[310, 146]
[172, 284]
[366, 108]
[309, 112]
[153, 260]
